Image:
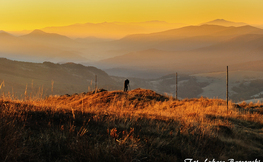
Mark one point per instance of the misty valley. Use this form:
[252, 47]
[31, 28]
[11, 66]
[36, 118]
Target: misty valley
[65, 60]
[39, 80]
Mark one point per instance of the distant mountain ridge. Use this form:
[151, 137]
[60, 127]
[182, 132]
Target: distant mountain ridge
[39, 46]
[111, 30]
[165, 50]
[193, 31]
[190, 49]
[226, 23]
[6, 35]
[184, 39]
[4, 32]
[41, 36]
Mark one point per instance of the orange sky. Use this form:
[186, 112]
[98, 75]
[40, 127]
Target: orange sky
[32, 14]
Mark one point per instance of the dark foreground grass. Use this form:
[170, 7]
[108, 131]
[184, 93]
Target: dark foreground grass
[34, 132]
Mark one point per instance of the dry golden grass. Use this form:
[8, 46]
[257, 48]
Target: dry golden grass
[138, 125]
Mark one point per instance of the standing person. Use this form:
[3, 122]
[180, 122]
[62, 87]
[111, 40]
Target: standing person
[126, 83]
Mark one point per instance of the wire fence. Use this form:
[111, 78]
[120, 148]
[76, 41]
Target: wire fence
[173, 88]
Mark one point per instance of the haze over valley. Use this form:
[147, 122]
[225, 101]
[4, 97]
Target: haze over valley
[148, 53]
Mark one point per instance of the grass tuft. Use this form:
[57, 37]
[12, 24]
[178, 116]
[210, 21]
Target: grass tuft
[138, 125]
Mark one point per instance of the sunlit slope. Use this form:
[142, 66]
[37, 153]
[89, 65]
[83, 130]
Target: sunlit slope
[139, 124]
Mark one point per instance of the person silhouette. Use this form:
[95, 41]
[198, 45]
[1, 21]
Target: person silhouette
[126, 83]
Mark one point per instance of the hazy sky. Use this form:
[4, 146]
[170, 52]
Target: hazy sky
[31, 14]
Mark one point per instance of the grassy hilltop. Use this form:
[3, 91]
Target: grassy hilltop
[139, 125]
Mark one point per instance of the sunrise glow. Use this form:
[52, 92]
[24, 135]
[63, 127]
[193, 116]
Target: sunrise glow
[31, 14]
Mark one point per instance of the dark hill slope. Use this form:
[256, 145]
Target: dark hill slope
[39, 77]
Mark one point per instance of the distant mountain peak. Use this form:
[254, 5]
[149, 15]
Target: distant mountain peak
[223, 22]
[37, 31]
[4, 33]
[219, 20]
[154, 21]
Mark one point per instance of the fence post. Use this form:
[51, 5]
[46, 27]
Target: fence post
[176, 86]
[96, 84]
[227, 88]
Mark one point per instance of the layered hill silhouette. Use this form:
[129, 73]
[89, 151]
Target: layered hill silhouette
[195, 31]
[182, 39]
[191, 49]
[188, 49]
[49, 38]
[39, 46]
[112, 30]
